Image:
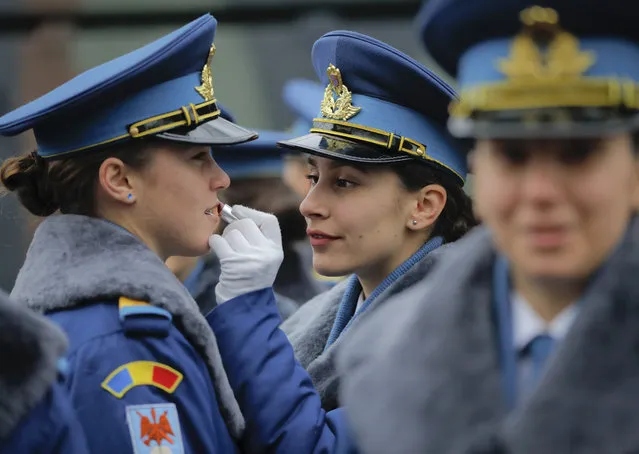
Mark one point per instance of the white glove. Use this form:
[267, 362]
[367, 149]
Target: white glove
[250, 253]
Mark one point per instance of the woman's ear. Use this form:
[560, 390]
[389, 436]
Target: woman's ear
[431, 201]
[115, 180]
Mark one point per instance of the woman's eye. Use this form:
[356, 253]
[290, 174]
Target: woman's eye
[577, 152]
[342, 183]
[312, 178]
[514, 155]
[201, 156]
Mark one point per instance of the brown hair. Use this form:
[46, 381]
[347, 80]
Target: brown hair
[457, 218]
[67, 184]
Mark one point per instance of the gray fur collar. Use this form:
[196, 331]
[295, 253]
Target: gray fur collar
[29, 350]
[437, 372]
[309, 328]
[76, 259]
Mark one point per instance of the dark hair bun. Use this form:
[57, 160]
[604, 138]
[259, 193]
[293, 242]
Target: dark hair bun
[27, 177]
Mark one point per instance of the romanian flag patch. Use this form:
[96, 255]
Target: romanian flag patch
[142, 373]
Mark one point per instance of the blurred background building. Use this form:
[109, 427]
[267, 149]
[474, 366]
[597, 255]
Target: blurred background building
[260, 45]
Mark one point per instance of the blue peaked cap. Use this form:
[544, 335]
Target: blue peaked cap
[226, 113]
[379, 106]
[164, 89]
[302, 96]
[259, 158]
[547, 68]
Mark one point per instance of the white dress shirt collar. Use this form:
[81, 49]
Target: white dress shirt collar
[527, 324]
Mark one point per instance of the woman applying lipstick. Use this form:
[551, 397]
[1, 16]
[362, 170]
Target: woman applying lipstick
[386, 192]
[528, 343]
[124, 154]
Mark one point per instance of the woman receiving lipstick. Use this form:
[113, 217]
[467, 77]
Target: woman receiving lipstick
[386, 191]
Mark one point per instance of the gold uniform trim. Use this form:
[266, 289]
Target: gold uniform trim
[545, 69]
[184, 116]
[582, 93]
[417, 149]
[390, 141]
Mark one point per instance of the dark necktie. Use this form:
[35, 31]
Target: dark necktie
[538, 350]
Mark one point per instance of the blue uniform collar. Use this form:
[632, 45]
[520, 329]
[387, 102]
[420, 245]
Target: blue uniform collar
[346, 312]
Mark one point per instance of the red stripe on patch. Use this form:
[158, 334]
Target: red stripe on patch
[164, 377]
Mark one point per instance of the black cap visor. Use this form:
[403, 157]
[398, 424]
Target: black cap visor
[551, 123]
[342, 149]
[215, 132]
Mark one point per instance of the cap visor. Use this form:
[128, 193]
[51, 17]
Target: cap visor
[481, 129]
[342, 149]
[214, 132]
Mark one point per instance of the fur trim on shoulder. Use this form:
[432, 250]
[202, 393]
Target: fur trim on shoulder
[74, 260]
[30, 348]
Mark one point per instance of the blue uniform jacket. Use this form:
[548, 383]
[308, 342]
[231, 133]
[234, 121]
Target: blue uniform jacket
[50, 428]
[145, 374]
[283, 411]
[136, 382]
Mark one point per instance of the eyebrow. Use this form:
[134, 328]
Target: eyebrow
[336, 164]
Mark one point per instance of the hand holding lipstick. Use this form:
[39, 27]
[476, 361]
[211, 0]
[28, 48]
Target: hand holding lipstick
[250, 256]
[226, 213]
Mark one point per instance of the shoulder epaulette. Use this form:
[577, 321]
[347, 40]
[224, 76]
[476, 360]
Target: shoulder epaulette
[142, 318]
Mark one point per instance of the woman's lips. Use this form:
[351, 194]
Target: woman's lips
[319, 238]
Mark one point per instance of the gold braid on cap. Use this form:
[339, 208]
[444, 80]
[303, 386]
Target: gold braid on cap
[544, 69]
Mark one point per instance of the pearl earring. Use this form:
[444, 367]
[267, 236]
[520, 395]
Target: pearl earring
[414, 222]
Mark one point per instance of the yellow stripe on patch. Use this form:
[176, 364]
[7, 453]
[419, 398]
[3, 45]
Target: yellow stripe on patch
[127, 302]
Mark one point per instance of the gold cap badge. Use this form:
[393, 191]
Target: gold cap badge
[206, 89]
[545, 69]
[543, 50]
[339, 108]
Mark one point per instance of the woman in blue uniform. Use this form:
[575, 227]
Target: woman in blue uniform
[528, 343]
[124, 154]
[386, 193]
[35, 411]
[302, 97]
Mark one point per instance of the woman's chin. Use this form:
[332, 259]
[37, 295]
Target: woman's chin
[194, 250]
[330, 270]
[202, 249]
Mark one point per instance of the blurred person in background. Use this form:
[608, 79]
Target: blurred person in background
[525, 338]
[302, 97]
[124, 154]
[386, 195]
[36, 415]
